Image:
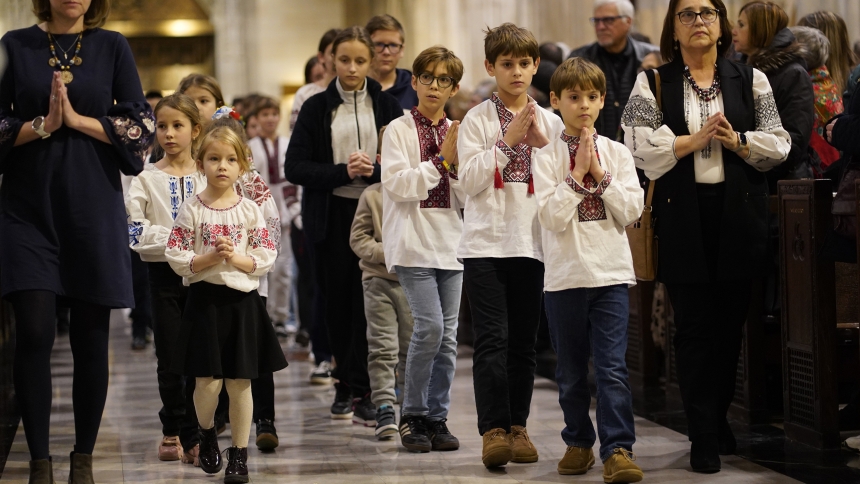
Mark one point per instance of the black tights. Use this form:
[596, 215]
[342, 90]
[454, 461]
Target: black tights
[35, 324]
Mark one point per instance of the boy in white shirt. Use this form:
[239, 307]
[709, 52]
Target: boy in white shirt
[501, 246]
[421, 227]
[587, 193]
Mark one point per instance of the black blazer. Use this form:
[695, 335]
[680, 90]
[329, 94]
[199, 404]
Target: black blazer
[309, 160]
[743, 228]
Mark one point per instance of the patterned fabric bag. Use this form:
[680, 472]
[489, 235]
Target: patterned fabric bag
[640, 234]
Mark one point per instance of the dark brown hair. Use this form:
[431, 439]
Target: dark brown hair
[667, 38]
[384, 22]
[432, 56]
[95, 16]
[508, 39]
[353, 33]
[577, 72]
[264, 102]
[765, 19]
[202, 81]
[842, 59]
[327, 38]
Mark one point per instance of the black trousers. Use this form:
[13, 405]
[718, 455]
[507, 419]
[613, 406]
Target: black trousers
[709, 320]
[141, 315]
[343, 295]
[505, 299]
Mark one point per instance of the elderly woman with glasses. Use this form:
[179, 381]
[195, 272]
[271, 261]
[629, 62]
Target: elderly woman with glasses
[705, 152]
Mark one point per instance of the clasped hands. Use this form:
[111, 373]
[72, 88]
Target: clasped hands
[60, 110]
[586, 161]
[359, 164]
[716, 127]
[524, 129]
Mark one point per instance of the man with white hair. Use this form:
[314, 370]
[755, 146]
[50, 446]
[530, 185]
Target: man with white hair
[619, 56]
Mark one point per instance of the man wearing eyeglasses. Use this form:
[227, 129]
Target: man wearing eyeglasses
[619, 56]
[386, 33]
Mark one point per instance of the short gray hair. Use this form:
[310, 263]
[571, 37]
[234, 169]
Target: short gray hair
[625, 7]
[816, 47]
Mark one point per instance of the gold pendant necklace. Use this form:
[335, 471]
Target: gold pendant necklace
[55, 61]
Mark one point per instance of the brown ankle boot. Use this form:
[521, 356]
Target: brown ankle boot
[81, 468]
[41, 472]
[496, 451]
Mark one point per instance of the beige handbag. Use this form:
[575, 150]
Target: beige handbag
[640, 234]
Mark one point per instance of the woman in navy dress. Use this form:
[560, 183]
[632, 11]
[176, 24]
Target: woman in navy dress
[72, 117]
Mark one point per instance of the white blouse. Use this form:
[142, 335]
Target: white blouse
[198, 226]
[584, 241]
[498, 222]
[421, 202]
[652, 142]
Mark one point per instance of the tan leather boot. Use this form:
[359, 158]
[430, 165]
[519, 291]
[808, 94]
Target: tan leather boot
[576, 461]
[521, 445]
[497, 450]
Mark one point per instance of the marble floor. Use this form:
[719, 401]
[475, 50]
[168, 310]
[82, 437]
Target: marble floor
[315, 449]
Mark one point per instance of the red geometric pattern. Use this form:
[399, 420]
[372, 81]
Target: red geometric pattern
[429, 138]
[592, 207]
[257, 189]
[210, 232]
[519, 167]
[181, 238]
[259, 237]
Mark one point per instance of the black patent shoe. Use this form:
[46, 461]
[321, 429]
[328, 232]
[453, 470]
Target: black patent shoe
[237, 465]
[705, 454]
[210, 455]
[728, 443]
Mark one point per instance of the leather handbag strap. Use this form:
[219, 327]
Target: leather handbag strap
[658, 94]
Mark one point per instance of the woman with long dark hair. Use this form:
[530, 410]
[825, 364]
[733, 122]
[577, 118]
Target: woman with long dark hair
[706, 151]
[72, 117]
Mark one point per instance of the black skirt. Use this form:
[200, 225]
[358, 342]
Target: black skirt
[226, 333]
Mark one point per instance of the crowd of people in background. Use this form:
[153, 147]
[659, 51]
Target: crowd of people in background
[397, 193]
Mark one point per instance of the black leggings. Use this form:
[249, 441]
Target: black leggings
[35, 324]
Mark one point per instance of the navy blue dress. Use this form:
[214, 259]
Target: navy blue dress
[63, 225]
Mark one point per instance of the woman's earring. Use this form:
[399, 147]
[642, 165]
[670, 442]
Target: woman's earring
[677, 45]
[719, 42]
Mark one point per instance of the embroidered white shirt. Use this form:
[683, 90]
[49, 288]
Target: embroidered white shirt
[198, 226]
[415, 233]
[584, 241]
[498, 222]
[652, 142]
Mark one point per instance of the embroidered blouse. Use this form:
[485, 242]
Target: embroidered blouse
[421, 201]
[498, 222]
[582, 227]
[198, 226]
[652, 142]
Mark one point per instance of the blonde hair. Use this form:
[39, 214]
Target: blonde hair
[202, 81]
[187, 107]
[228, 136]
[842, 59]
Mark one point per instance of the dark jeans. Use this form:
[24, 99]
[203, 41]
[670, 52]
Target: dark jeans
[141, 315]
[35, 327]
[709, 320]
[592, 321]
[177, 413]
[343, 295]
[311, 305]
[505, 298]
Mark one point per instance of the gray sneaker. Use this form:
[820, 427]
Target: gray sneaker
[386, 422]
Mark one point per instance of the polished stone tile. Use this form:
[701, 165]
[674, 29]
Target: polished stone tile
[315, 449]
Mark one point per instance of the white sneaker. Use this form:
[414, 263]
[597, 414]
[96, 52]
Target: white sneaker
[321, 374]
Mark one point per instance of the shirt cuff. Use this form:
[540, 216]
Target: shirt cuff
[191, 265]
[673, 149]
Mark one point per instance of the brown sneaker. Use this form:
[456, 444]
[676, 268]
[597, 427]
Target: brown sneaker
[190, 456]
[497, 450]
[619, 467]
[576, 461]
[521, 446]
[169, 448]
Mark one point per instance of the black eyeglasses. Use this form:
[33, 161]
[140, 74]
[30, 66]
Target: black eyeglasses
[442, 82]
[393, 48]
[708, 15]
[607, 21]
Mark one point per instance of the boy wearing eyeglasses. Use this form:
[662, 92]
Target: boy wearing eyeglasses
[501, 245]
[421, 227]
[386, 33]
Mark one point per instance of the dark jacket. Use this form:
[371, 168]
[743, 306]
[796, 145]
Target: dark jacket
[846, 132]
[609, 121]
[402, 90]
[743, 226]
[309, 160]
[795, 100]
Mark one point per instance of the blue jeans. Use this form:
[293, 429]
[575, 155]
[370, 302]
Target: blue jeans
[598, 316]
[434, 296]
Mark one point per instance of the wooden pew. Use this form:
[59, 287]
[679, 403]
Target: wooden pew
[809, 332]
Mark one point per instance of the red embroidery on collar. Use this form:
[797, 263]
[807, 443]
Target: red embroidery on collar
[429, 137]
[519, 167]
[592, 207]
